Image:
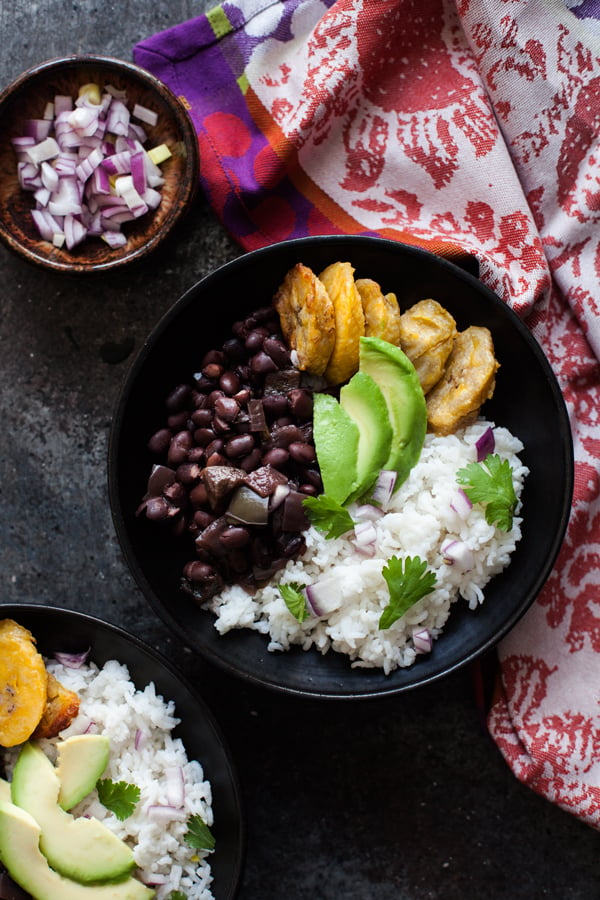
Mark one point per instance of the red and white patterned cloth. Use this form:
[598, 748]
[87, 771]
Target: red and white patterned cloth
[470, 126]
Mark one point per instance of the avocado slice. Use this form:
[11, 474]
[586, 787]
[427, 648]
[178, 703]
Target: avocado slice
[365, 403]
[21, 856]
[336, 443]
[82, 849]
[82, 758]
[397, 378]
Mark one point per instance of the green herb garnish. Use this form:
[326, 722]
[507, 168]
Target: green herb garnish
[177, 895]
[490, 483]
[408, 580]
[198, 834]
[328, 515]
[118, 796]
[294, 600]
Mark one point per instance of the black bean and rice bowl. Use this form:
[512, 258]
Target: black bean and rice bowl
[144, 753]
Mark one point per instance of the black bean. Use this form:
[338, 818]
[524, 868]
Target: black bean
[242, 396]
[308, 489]
[230, 383]
[202, 518]
[198, 571]
[178, 421]
[302, 453]
[213, 371]
[188, 473]
[196, 454]
[178, 398]
[215, 446]
[204, 385]
[276, 457]
[255, 339]
[198, 496]
[214, 357]
[252, 461]
[234, 350]
[240, 445]
[157, 508]
[160, 440]
[204, 436]
[178, 449]
[201, 417]
[216, 459]
[176, 494]
[301, 403]
[275, 404]
[227, 408]
[277, 350]
[235, 536]
[261, 363]
[220, 426]
[214, 396]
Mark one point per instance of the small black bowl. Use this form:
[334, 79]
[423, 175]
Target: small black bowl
[527, 400]
[72, 632]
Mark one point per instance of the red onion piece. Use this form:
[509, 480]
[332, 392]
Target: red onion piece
[323, 597]
[174, 786]
[461, 504]
[458, 553]
[384, 487]
[422, 640]
[485, 444]
[72, 660]
[163, 814]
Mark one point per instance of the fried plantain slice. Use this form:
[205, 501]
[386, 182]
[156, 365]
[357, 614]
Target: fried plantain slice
[338, 279]
[62, 705]
[23, 684]
[468, 381]
[381, 311]
[307, 318]
[427, 333]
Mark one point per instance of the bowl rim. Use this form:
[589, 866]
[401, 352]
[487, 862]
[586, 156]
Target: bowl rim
[158, 659]
[191, 183]
[220, 659]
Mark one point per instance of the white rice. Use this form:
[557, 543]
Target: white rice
[111, 704]
[418, 522]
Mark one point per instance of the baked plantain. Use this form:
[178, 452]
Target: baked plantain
[23, 684]
[468, 381]
[427, 333]
[381, 311]
[307, 318]
[62, 705]
[338, 279]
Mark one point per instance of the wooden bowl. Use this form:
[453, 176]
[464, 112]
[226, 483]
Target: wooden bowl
[27, 97]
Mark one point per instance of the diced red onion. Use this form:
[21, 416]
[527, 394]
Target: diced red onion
[422, 640]
[384, 487]
[65, 161]
[369, 513]
[140, 739]
[174, 786]
[458, 553]
[72, 660]
[144, 114]
[364, 534]
[485, 444]
[322, 597]
[163, 814]
[461, 504]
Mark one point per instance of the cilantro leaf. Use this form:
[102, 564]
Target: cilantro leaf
[118, 796]
[294, 600]
[328, 515]
[177, 895]
[198, 834]
[408, 580]
[490, 483]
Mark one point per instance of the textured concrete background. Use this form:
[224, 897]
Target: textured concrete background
[402, 800]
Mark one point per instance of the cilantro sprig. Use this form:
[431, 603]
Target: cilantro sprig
[119, 797]
[408, 580]
[328, 515]
[198, 834]
[294, 600]
[490, 483]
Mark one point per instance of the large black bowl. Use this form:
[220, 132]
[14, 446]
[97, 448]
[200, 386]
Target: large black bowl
[527, 400]
[72, 632]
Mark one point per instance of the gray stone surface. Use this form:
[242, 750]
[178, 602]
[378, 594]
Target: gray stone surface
[405, 799]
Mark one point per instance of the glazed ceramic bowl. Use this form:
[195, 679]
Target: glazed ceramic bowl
[67, 631]
[26, 98]
[527, 400]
